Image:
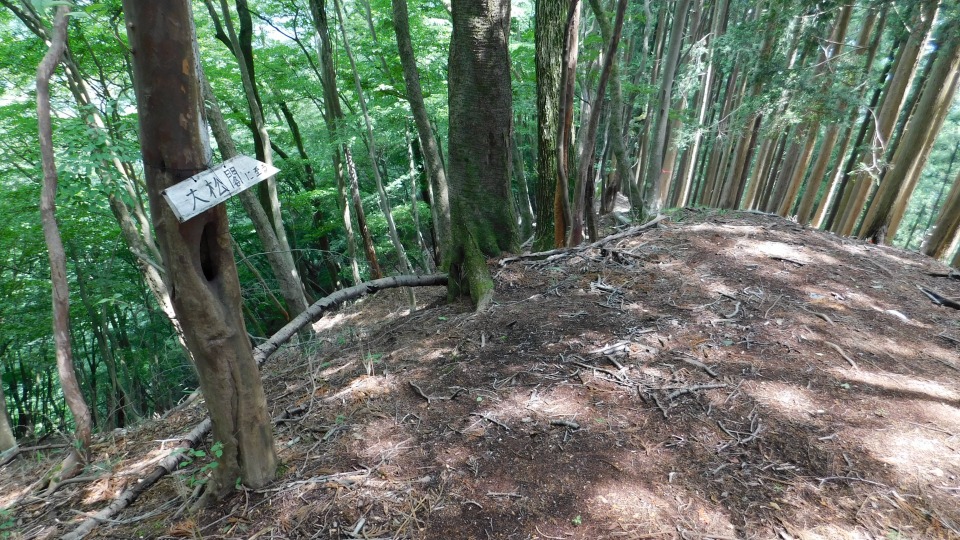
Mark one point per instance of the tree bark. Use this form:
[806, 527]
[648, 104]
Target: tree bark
[440, 206]
[281, 262]
[589, 139]
[372, 152]
[197, 254]
[7, 440]
[549, 28]
[291, 287]
[918, 137]
[481, 125]
[58, 266]
[947, 225]
[334, 119]
[656, 192]
[568, 80]
[890, 107]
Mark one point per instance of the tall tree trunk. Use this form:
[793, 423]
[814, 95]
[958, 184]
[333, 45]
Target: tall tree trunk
[918, 137]
[819, 170]
[562, 215]
[282, 263]
[657, 187]
[7, 440]
[481, 123]
[197, 254]
[291, 287]
[549, 28]
[334, 118]
[589, 136]
[948, 223]
[621, 167]
[440, 204]
[890, 107]
[372, 153]
[72, 393]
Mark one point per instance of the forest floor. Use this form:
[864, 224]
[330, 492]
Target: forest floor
[724, 375]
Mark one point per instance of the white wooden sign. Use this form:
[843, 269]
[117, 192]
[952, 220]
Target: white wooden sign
[203, 191]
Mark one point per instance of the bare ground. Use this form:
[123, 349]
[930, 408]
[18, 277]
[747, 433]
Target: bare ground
[725, 375]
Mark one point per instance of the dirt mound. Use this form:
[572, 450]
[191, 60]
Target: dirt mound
[725, 375]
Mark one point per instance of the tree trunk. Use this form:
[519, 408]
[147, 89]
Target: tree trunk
[890, 108]
[568, 81]
[7, 440]
[481, 123]
[291, 287]
[621, 167]
[589, 135]
[918, 137]
[657, 187]
[372, 148]
[282, 264]
[548, 37]
[334, 119]
[948, 223]
[197, 254]
[440, 206]
[58, 267]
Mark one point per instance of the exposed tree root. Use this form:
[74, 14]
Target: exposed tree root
[261, 354]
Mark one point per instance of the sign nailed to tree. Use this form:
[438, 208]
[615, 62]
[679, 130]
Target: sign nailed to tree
[203, 191]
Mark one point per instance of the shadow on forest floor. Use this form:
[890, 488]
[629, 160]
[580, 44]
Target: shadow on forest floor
[725, 375]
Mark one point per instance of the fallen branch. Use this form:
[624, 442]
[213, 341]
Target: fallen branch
[939, 299]
[314, 312]
[840, 351]
[565, 252]
[260, 354]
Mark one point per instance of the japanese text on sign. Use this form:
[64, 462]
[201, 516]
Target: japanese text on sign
[210, 188]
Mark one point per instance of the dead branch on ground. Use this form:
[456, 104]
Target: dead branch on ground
[260, 354]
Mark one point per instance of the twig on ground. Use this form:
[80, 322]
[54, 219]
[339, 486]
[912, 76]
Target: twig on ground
[488, 418]
[784, 259]
[565, 423]
[431, 399]
[826, 479]
[837, 348]
[556, 254]
[690, 389]
[939, 299]
[693, 361]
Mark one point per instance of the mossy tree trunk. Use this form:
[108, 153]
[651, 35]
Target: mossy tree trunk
[481, 122]
[197, 254]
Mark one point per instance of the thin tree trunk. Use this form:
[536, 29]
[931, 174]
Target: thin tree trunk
[282, 263]
[372, 149]
[947, 225]
[291, 287]
[334, 118]
[918, 138]
[590, 136]
[892, 104]
[568, 79]
[72, 393]
[7, 440]
[440, 202]
[657, 192]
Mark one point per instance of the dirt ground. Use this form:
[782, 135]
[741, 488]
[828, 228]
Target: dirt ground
[724, 375]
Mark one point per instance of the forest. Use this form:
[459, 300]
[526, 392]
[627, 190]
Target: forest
[415, 140]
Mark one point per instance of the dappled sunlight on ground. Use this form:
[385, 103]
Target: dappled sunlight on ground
[726, 375]
[793, 402]
[902, 384]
